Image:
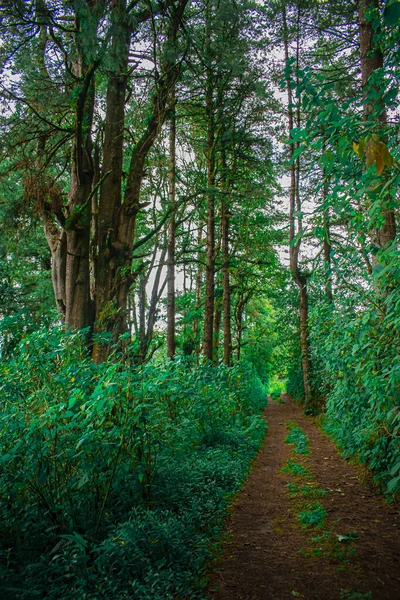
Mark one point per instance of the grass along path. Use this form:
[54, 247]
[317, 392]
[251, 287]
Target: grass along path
[304, 526]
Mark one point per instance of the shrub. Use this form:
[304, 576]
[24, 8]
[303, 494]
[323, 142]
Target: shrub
[114, 479]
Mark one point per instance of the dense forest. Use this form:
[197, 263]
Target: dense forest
[198, 210]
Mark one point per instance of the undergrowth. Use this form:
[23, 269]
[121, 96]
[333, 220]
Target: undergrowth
[115, 480]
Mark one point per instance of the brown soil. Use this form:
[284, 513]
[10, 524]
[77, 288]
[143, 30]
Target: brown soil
[260, 558]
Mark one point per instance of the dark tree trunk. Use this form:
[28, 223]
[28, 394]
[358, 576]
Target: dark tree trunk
[371, 61]
[217, 327]
[171, 343]
[225, 267]
[199, 286]
[142, 317]
[304, 341]
[118, 227]
[79, 312]
[111, 186]
[210, 240]
[69, 241]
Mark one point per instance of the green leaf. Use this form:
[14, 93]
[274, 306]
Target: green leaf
[297, 134]
[83, 480]
[391, 14]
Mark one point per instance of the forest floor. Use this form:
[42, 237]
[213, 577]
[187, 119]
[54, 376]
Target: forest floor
[307, 525]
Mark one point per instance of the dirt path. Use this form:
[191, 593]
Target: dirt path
[261, 558]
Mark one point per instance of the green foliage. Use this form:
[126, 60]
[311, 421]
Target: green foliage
[356, 345]
[296, 469]
[297, 438]
[314, 515]
[354, 177]
[349, 595]
[295, 384]
[276, 388]
[114, 480]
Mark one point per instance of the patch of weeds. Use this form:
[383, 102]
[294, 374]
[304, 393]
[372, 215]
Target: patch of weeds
[326, 545]
[296, 469]
[297, 438]
[314, 515]
[305, 491]
[349, 595]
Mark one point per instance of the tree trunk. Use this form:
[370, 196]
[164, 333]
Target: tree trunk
[111, 186]
[327, 251]
[295, 206]
[171, 342]
[154, 300]
[210, 240]
[217, 327]
[304, 342]
[199, 286]
[371, 60]
[79, 313]
[119, 225]
[225, 267]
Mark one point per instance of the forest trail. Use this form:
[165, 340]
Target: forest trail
[261, 559]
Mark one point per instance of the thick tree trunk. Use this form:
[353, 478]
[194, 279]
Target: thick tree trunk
[225, 269]
[79, 312]
[171, 342]
[199, 287]
[210, 240]
[304, 342]
[117, 231]
[327, 247]
[371, 61]
[217, 327]
[69, 242]
[111, 186]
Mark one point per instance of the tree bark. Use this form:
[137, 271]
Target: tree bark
[304, 342]
[111, 187]
[225, 267]
[79, 313]
[210, 240]
[171, 342]
[217, 327]
[371, 61]
[119, 225]
[199, 286]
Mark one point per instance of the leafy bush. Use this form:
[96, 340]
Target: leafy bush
[115, 479]
[295, 384]
[357, 344]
